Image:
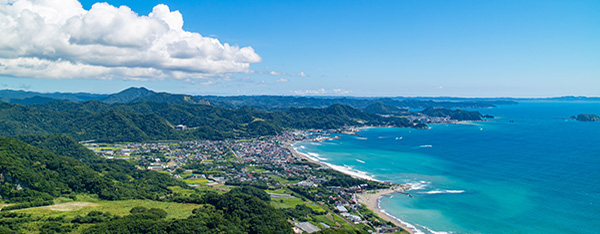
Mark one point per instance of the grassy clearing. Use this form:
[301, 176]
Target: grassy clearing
[196, 181]
[323, 219]
[2, 205]
[106, 148]
[343, 222]
[208, 188]
[255, 169]
[72, 209]
[183, 191]
[281, 203]
[279, 179]
[315, 207]
[279, 191]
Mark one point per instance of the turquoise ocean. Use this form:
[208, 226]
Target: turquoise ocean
[530, 170]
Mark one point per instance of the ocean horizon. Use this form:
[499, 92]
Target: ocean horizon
[529, 170]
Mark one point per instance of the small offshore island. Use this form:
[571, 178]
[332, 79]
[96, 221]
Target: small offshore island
[586, 118]
[141, 153]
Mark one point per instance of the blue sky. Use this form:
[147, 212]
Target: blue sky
[362, 48]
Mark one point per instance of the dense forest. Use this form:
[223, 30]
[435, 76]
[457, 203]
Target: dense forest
[460, 115]
[260, 102]
[144, 121]
[53, 166]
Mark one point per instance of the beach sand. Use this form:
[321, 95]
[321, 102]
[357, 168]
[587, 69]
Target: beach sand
[370, 199]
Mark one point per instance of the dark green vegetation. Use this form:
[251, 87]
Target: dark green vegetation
[586, 117]
[144, 121]
[383, 109]
[14, 96]
[31, 175]
[259, 102]
[460, 115]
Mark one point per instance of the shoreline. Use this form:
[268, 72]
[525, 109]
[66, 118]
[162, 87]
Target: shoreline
[370, 199]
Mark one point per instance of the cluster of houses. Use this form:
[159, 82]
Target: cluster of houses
[242, 161]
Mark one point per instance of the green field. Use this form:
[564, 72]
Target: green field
[324, 219]
[196, 181]
[279, 191]
[74, 208]
[280, 203]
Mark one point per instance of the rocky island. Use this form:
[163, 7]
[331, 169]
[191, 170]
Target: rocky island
[586, 117]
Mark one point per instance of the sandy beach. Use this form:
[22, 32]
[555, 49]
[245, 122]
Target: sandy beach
[370, 199]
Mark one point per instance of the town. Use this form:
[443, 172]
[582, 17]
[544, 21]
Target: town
[321, 197]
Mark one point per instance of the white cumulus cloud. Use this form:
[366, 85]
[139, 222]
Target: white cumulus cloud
[59, 39]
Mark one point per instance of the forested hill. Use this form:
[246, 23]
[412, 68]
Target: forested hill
[129, 95]
[36, 172]
[460, 115]
[132, 95]
[145, 121]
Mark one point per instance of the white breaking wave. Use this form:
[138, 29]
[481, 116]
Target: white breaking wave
[348, 170]
[362, 138]
[444, 191]
[316, 156]
[455, 191]
[419, 185]
[425, 146]
[434, 232]
[360, 161]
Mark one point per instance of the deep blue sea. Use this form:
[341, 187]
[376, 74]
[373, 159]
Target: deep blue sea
[530, 170]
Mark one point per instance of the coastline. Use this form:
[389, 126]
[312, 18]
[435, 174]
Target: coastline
[372, 199]
[369, 199]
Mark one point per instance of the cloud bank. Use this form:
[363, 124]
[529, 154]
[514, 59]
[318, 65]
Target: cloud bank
[59, 39]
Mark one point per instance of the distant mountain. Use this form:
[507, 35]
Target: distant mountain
[132, 95]
[16, 95]
[281, 102]
[128, 95]
[33, 100]
[460, 115]
[150, 121]
[383, 109]
[568, 99]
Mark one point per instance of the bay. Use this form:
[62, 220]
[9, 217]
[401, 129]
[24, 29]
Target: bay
[530, 170]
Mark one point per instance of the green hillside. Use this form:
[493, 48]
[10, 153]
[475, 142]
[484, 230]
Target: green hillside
[146, 121]
[29, 173]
